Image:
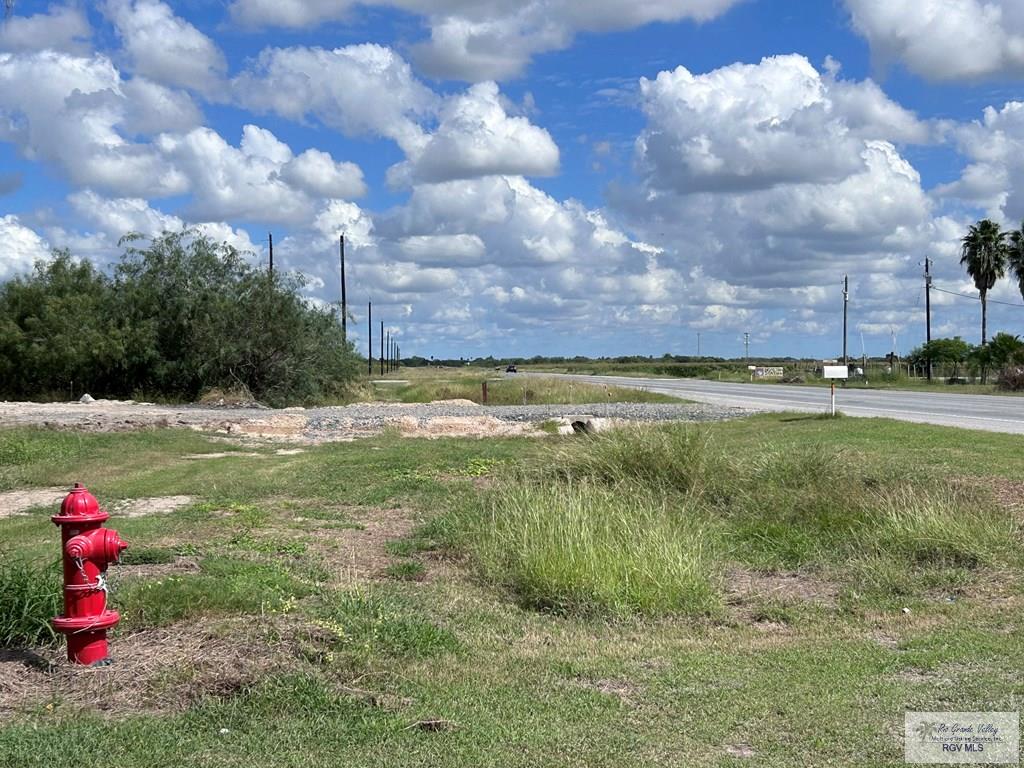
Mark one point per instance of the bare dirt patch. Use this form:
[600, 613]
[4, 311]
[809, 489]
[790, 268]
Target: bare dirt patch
[155, 505]
[744, 751]
[222, 455]
[1008, 493]
[747, 591]
[743, 584]
[16, 502]
[623, 690]
[354, 555]
[180, 565]
[159, 670]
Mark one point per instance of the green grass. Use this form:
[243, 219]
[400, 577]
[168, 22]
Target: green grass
[30, 596]
[371, 623]
[576, 607]
[426, 385]
[224, 586]
[591, 550]
[409, 570]
[645, 521]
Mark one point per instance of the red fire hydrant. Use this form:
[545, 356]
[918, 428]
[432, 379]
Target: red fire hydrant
[88, 549]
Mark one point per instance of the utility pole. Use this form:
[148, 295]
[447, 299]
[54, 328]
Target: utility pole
[344, 298]
[381, 347]
[389, 351]
[846, 302]
[270, 239]
[369, 339]
[746, 346]
[928, 313]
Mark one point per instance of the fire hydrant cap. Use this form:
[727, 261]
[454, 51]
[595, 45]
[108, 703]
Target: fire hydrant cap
[79, 506]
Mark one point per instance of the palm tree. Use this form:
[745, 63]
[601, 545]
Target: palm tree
[984, 253]
[1015, 256]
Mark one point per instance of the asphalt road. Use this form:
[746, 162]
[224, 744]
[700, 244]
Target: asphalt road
[993, 413]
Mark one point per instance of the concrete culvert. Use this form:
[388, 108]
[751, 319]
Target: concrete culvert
[581, 427]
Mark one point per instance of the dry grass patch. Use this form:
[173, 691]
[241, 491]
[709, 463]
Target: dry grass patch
[354, 555]
[160, 670]
[755, 595]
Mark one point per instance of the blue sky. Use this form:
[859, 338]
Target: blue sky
[537, 176]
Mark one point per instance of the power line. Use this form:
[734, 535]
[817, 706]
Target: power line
[975, 298]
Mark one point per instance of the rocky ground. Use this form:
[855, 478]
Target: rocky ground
[313, 425]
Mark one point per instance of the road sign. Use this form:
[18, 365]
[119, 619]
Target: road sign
[836, 372]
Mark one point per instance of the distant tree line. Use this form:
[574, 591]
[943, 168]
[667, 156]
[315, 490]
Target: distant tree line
[418, 361]
[1003, 353]
[178, 315]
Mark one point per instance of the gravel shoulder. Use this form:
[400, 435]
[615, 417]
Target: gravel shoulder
[314, 425]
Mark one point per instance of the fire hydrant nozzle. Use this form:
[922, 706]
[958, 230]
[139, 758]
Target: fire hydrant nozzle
[88, 550]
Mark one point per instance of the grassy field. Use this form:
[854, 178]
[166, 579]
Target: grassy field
[774, 591]
[423, 385]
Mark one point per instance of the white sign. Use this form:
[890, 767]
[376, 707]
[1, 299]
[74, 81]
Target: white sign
[961, 738]
[768, 373]
[837, 372]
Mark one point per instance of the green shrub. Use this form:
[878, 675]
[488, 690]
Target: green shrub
[181, 314]
[30, 595]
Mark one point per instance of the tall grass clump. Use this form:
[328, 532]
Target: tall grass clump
[664, 459]
[795, 507]
[586, 549]
[30, 596]
[938, 527]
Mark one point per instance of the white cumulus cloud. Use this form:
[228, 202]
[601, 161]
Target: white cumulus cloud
[22, 247]
[757, 126]
[945, 39]
[476, 137]
[492, 39]
[62, 28]
[164, 47]
[360, 90]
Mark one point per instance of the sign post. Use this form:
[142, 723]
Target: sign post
[833, 372]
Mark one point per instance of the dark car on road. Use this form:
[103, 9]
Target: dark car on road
[510, 369]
